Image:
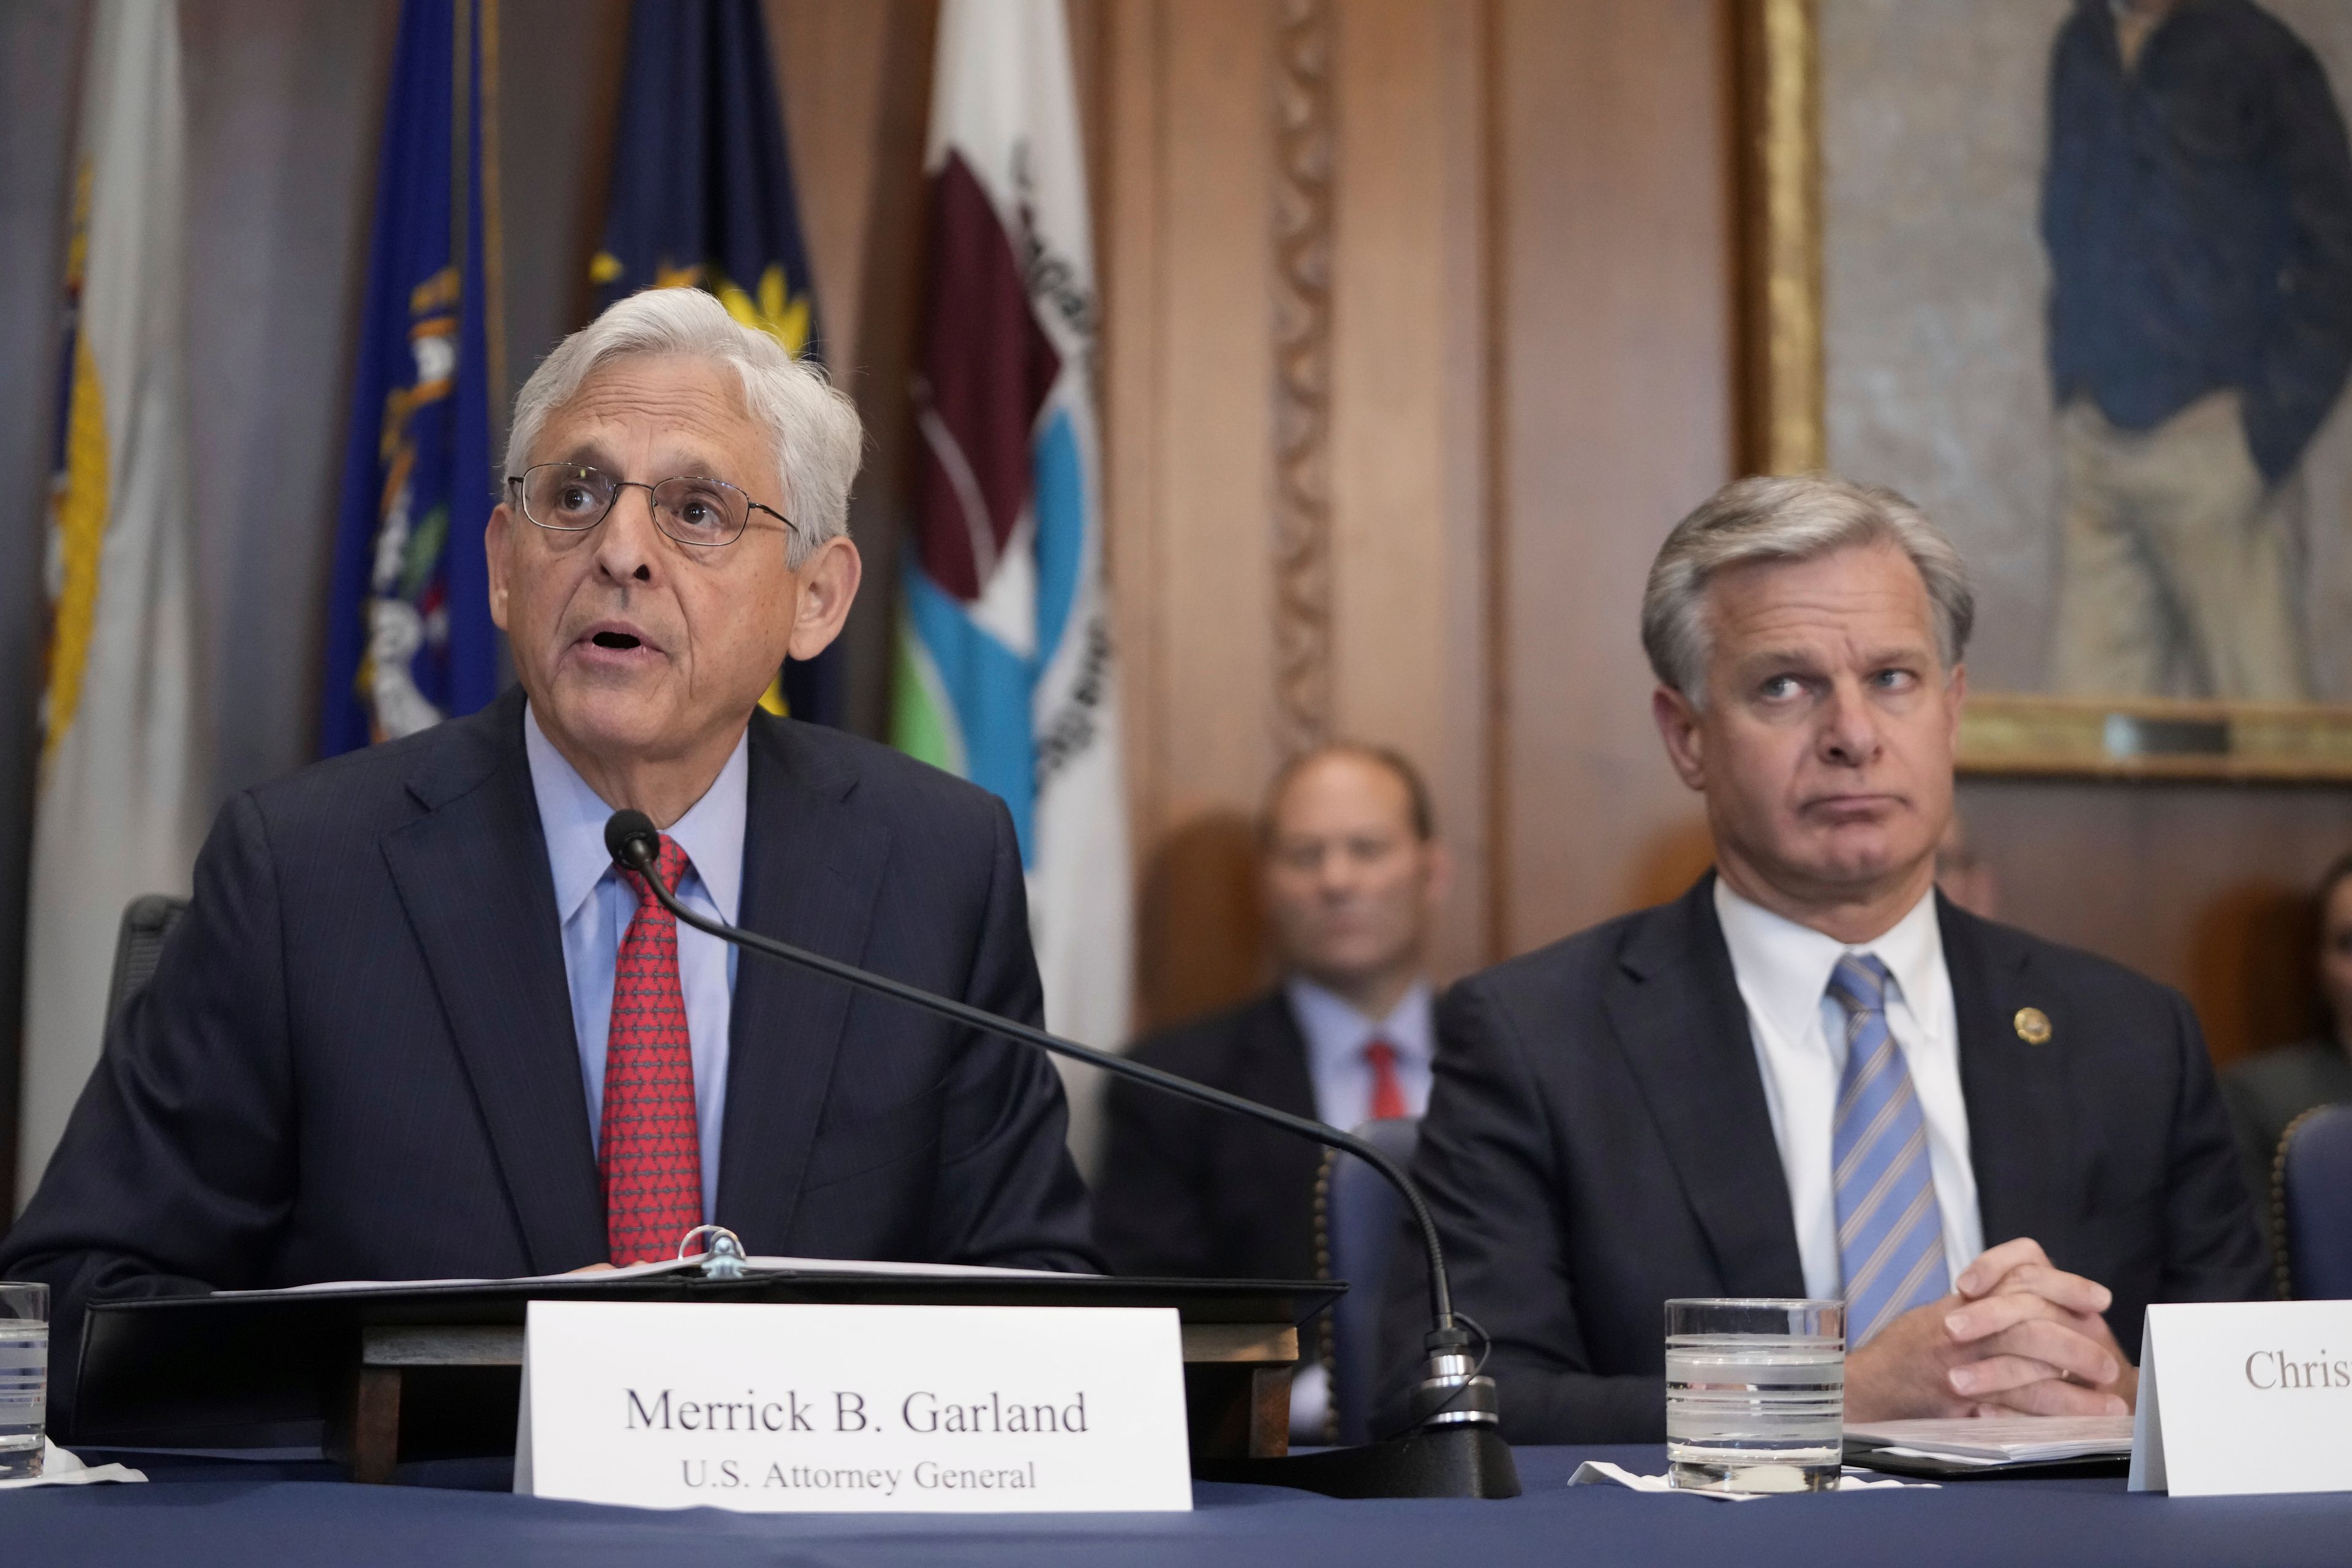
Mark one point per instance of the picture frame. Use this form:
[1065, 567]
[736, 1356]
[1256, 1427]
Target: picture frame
[1786, 427]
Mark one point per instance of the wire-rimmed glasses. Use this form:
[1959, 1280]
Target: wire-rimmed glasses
[572, 498]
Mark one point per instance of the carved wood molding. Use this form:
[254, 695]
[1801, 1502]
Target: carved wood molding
[1302, 360]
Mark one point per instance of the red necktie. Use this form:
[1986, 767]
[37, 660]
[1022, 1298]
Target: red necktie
[1388, 1094]
[649, 1148]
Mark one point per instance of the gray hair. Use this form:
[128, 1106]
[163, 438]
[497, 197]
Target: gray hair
[817, 439]
[1798, 518]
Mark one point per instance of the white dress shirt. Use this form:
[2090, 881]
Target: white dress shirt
[595, 907]
[1799, 1032]
[1335, 1036]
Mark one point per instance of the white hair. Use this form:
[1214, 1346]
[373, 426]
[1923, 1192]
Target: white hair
[1797, 518]
[814, 428]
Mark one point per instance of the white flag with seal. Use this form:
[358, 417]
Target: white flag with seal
[1005, 672]
[117, 813]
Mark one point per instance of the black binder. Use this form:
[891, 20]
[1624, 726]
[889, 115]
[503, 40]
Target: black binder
[259, 1370]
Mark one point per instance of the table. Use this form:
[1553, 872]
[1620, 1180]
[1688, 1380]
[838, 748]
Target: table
[236, 1515]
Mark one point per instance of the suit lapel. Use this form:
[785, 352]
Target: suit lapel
[1677, 1011]
[1276, 1067]
[2020, 1141]
[472, 875]
[812, 871]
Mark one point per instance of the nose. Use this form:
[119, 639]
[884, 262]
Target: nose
[628, 541]
[1849, 734]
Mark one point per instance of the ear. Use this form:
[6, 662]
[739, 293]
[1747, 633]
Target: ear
[1679, 726]
[1441, 875]
[1955, 694]
[829, 579]
[498, 539]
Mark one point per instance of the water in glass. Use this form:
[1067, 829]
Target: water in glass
[1755, 1411]
[24, 1395]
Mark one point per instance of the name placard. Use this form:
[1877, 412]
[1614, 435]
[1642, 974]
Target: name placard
[2244, 1396]
[789, 1408]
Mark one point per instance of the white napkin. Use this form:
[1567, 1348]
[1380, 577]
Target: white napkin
[1601, 1473]
[60, 1469]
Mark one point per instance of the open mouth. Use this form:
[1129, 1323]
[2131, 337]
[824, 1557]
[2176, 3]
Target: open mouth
[615, 640]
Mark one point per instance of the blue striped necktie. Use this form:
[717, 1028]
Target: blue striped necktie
[1890, 1230]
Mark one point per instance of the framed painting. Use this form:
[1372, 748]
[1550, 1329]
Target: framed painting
[2077, 276]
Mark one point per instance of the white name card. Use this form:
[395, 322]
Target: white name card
[772, 1408]
[2244, 1396]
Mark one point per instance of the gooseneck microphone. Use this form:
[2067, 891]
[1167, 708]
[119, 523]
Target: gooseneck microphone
[1451, 1446]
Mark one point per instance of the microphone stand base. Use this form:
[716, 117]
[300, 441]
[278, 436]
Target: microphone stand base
[1464, 1461]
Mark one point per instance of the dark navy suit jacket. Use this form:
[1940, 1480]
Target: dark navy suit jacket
[1598, 1142]
[357, 1057]
[1189, 1191]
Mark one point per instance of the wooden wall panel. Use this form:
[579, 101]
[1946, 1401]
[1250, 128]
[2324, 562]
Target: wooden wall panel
[1407, 446]
[1189, 390]
[1614, 337]
[2202, 886]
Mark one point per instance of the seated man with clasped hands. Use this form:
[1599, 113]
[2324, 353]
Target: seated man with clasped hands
[1811, 1074]
[415, 1025]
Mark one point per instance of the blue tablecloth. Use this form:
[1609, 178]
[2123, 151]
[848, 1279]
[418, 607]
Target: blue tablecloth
[238, 1516]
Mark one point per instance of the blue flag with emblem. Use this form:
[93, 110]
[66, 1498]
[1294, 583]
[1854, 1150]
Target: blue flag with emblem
[702, 197]
[410, 640]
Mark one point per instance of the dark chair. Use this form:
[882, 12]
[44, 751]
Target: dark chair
[2311, 1188]
[1358, 1218]
[146, 924]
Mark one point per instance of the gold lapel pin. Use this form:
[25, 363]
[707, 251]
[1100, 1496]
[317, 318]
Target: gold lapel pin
[2032, 1025]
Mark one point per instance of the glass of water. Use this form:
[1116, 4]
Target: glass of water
[24, 1377]
[1755, 1394]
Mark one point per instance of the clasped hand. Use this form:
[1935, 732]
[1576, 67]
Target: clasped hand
[2016, 1336]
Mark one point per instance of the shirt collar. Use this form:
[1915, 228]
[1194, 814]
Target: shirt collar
[1783, 968]
[573, 817]
[1337, 1033]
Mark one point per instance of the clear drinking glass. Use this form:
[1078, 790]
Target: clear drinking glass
[1755, 1394]
[24, 1377]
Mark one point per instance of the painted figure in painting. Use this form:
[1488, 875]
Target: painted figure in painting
[2198, 211]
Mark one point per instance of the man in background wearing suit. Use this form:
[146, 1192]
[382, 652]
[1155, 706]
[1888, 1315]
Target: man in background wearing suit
[1810, 1075]
[415, 1025]
[1352, 877]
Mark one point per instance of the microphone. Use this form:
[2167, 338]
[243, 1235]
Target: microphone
[1452, 1445]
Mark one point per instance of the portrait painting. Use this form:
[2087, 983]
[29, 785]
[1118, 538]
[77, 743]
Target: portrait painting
[2077, 276]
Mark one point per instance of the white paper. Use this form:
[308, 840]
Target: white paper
[2006, 1439]
[784, 1409]
[2256, 1397]
[1601, 1473]
[61, 1468]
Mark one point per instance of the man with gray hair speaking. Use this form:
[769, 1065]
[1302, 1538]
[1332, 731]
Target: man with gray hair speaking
[415, 1025]
[1811, 1075]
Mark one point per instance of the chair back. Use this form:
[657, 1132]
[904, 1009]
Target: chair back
[1358, 1219]
[2312, 1190]
[146, 923]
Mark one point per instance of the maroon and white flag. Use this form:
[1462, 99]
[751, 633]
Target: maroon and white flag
[1005, 673]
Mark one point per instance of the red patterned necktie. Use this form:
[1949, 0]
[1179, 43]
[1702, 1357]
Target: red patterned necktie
[649, 1148]
[1387, 1092]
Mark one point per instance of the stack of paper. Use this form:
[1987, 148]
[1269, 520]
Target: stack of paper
[2003, 1439]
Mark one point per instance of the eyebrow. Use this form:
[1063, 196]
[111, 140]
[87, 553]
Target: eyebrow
[1878, 658]
[590, 454]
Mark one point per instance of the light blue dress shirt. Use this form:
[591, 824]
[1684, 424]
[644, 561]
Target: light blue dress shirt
[1336, 1037]
[595, 907]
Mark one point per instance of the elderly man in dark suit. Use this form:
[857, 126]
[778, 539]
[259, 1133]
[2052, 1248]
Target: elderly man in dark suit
[415, 1024]
[1811, 1074]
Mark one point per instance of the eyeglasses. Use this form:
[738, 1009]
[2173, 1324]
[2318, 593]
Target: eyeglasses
[569, 497]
